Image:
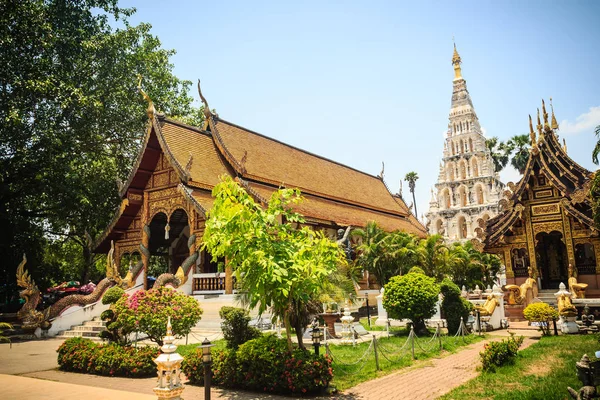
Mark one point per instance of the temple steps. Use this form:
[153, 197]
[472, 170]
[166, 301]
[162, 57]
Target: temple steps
[547, 296]
[89, 330]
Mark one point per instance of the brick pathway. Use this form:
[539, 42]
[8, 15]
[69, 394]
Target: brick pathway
[434, 378]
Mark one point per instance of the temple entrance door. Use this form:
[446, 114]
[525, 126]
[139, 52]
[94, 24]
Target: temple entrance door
[552, 260]
[168, 243]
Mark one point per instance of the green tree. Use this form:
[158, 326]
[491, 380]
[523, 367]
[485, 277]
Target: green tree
[411, 178]
[432, 256]
[72, 122]
[278, 265]
[596, 150]
[499, 152]
[519, 149]
[411, 296]
[385, 254]
[454, 307]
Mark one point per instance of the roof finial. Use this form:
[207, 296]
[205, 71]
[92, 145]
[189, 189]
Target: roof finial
[545, 115]
[150, 110]
[539, 123]
[564, 145]
[531, 131]
[380, 176]
[456, 61]
[554, 123]
[207, 112]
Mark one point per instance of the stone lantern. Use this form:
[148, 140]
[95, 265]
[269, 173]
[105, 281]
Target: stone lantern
[169, 369]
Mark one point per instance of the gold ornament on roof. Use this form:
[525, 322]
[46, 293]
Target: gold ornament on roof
[456, 61]
[564, 145]
[207, 112]
[545, 115]
[150, 110]
[554, 123]
[531, 131]
[539, 123]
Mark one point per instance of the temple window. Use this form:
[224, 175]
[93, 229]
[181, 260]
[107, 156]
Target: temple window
[439, 226]
[585, 258]
[462, 146]
[471, 145]
[462, 228]
[463, 197]
[520, 262]
[479, 192]
[474, 167]
[463, 170]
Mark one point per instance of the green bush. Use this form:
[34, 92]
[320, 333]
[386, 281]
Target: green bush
[112, 295]
[236, 330]
[83, 355]
[496, 354]
[416, 270]
[264, 364]
[542, 313]
[147, 311]
[411, 296]
[453, 306]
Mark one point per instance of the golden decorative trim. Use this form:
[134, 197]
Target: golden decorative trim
[568, 238]
[553, 208]
[547, 227]
[543, 193]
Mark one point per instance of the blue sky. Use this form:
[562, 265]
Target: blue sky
[366, 82]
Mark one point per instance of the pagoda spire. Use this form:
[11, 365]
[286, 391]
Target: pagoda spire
[456, 61]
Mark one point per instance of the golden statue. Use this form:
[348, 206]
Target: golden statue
[487, 309]
[565, 307]
[577, 289]
[522, 294]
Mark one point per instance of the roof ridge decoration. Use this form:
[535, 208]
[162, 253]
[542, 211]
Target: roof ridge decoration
[456, 61]
[380, 176]
[545, 115]
[220, 143]
[151, 111]
[554, 125]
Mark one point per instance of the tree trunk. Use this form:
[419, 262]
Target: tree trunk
[420, 327]
[288, 331]
[299, 334]
[415, 204]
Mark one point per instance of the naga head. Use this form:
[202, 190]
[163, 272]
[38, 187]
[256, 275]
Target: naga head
[25, 281]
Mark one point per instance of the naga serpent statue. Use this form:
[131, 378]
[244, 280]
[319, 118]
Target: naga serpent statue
[180, 277]
[32, 319]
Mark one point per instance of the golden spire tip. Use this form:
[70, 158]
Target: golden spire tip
[554, 124]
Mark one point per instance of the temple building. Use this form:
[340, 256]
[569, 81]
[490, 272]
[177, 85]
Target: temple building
[468, 188]
[167, 196]
[545, 224]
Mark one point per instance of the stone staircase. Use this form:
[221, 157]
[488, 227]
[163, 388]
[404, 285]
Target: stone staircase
[89, 330]
[547, 296]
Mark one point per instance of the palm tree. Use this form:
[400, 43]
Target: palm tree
[411, 178]
[519, 147]
[499, 152]
[432, 257]
[596, 151]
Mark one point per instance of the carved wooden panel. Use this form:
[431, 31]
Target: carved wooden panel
[545, 209]
[547, 227]
[543, 194]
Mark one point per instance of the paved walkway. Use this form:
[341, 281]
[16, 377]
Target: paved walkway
[35, 362]
[434, 378]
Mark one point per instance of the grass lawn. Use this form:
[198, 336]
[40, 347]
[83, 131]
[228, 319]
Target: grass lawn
[348, 372]
[541, 371]
[185, 349]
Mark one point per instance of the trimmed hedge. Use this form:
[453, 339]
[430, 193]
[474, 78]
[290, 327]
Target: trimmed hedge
[236, 330]
[83, 355]
[454, 306]
[264, 364]
[497, 354]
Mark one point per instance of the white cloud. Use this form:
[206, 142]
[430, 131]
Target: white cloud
[583, 123]
[484, 131]
[509, 174]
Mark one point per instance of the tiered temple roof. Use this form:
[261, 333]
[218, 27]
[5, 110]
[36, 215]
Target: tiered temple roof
[335, 194]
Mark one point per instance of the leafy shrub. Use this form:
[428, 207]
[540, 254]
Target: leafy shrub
[147, 311]
[83, 355]
[542, 313]
[411, 296]
[112, 295]
[417, 270]
[264, 364]
[496, 354]
[236, 330]
[453, 306]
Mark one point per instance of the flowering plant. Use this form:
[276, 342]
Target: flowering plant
[496, 354]
[147, 311]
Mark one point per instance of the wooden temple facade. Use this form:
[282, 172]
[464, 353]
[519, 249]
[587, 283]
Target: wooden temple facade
[166, 198]
[545, 223]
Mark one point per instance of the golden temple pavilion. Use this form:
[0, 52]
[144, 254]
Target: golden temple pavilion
[545, 224]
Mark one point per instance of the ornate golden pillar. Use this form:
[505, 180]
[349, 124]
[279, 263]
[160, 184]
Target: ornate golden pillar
[508, 263]
[144, 246]
[596, 244]
[568, 237]
[530, 240]
[117, 257]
